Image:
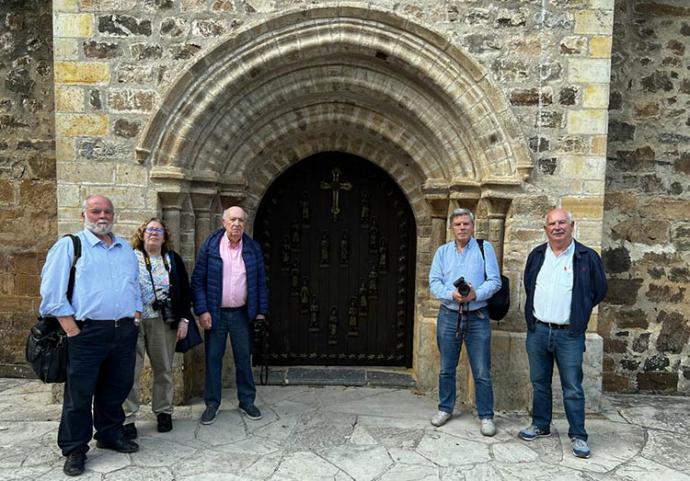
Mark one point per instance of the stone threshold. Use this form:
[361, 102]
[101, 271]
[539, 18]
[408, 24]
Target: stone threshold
[339, 376]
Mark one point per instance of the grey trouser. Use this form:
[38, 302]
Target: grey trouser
[158, 341]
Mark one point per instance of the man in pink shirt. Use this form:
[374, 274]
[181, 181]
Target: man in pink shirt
[229, 291]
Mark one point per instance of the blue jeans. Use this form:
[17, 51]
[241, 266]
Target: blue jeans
[235, 323]
[544, 345]
[476, 333]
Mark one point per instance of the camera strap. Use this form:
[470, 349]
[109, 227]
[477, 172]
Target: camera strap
[147, 261]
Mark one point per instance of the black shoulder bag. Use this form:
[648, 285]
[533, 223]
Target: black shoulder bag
[46, 344]
[499, 303]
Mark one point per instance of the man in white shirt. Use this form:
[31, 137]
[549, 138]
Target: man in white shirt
[563, 280]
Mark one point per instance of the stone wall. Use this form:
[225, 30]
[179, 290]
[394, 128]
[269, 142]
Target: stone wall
[127, 74]
[27, 169]
[645, 321]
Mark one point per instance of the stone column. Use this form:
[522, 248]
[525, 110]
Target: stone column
[497, 209]
[171, 205]
[202, 217]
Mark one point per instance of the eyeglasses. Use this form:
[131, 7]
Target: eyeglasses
[154, 230]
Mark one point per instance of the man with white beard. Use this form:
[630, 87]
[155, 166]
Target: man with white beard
[101, 321]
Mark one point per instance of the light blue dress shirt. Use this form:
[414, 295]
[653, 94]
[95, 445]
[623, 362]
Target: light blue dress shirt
[449, 264]
[554, 290]
[106, 284]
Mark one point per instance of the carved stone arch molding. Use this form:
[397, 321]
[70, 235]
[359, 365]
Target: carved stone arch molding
[348, 79]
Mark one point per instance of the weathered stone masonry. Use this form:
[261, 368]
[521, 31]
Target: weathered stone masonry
[645, 322]
[153, 108]
[27, 169]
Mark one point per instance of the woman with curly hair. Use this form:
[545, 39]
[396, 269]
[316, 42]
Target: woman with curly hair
[166, 296]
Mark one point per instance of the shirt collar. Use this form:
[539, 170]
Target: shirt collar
[567, 252]
[229, 244]
[93, 240]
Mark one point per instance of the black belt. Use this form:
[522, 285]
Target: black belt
[232, 309]
[551, 325]
[115, 322]
[464, 312]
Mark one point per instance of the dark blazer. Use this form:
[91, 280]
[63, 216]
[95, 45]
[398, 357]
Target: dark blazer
[207, 278]
[589, 285]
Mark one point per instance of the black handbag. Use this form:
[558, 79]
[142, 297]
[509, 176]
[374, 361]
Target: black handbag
[499, 303]
[192, 339]
[46, 345]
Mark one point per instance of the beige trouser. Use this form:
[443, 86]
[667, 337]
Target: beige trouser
[158, 341]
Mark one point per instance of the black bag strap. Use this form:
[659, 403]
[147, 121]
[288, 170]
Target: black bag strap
[76, 244]
[481, 248]
[147, 261]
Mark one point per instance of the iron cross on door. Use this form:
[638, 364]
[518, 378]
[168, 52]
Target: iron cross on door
[336, 186]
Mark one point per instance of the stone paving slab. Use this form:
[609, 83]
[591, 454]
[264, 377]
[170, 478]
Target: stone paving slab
[338, 433]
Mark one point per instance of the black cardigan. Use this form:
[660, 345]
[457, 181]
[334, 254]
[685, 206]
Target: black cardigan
[180, 293]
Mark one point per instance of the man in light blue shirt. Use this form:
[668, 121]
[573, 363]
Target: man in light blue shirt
[101, 322]
[463, 316]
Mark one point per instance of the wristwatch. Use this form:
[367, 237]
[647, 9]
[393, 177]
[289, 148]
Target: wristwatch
[186, 321]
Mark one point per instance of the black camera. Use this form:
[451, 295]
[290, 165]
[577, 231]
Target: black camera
[165, 307]
[462, 286]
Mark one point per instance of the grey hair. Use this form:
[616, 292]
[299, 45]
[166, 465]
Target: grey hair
[568, 214]
[226, 212]
[91, 196]
[460, 212]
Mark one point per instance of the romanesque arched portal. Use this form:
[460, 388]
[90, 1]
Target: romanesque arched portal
[341, 79]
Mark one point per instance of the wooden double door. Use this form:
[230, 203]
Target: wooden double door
[338, 238]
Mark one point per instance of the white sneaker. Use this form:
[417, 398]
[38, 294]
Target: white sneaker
[488, 427]
[441, 418]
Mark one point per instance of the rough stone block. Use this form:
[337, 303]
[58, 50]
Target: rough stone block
[80, 125]
[587, 121]
[599, 144]
[65, 48]
[81, 72]
[594, 22]
[68, 195]
[600, 47]
[595, 96]
[575, 45]
[69, 99]
[131, 100]
[108, 5]
[6, 192]
[130, 174]
[73, 25]
[64, 149]
[589, 70]
[583, 167]
[95, 49]
[66, 5]
[584, 207]
[641, 231]
[123, 25]
[86, 173]
[657, 381]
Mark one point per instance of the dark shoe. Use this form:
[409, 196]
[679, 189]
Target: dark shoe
[209, 415]
[251, 411]
[74, 464]
[533, 432]
[129, 431]
[121, 445]
[164, 422]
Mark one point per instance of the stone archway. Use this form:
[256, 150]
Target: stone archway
[347, 79]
